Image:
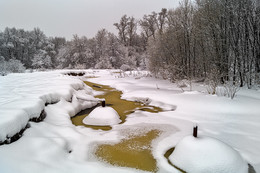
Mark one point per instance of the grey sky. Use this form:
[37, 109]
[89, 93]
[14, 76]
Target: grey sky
[68, 17]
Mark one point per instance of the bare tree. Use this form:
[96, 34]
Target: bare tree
[122, 29]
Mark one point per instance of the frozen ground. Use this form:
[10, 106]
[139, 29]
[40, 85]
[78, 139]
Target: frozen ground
[56, 145]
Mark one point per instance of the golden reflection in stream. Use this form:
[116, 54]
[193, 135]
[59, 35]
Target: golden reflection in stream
[134, 152]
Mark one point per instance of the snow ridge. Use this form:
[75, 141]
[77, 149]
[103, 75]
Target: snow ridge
[28, 94]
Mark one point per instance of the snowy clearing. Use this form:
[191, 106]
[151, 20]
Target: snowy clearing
[56, 145]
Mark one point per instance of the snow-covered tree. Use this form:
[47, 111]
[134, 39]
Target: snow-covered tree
[104, 63]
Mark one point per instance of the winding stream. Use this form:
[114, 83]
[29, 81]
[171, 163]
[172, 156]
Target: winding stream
[134, 151]
[113, 99]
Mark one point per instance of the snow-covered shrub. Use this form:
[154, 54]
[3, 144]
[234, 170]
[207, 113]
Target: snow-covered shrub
[122, 74]
[11, 66]
[125, 67]
[142, 63]
[2, 66]
[211, 89]
[212, 81]
[182, 84]
[257, 79]
[227, 90]
[211, 85]
[15, 66]
[104, 63]
[80, 66]
[231, 88]
[221, 91]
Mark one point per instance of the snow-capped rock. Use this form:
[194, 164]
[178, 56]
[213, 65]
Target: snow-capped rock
[102, 116]
[207, 155]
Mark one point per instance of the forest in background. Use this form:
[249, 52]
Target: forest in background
[217, 41]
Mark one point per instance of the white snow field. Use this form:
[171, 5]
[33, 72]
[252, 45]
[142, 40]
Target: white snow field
[57, 146]
[102, 116]
[204, 154]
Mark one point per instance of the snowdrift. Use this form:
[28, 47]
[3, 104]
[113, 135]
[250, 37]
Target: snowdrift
[207, 155]
[24, 97]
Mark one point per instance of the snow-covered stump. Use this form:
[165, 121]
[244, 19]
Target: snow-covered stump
[207, 155]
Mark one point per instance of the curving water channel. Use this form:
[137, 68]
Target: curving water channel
[113, 99]
[133, 151]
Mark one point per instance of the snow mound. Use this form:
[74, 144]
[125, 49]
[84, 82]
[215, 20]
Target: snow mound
[207, 155]
[102, 116]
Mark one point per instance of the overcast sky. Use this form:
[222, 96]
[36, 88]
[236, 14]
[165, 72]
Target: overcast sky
[67, 17]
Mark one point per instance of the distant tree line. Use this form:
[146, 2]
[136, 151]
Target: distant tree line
[212, 40]
[23, 49]
[33, 50]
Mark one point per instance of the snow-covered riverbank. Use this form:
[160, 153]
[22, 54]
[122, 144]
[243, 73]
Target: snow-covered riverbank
[24, 96]
[56, 145]
[235, 122]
